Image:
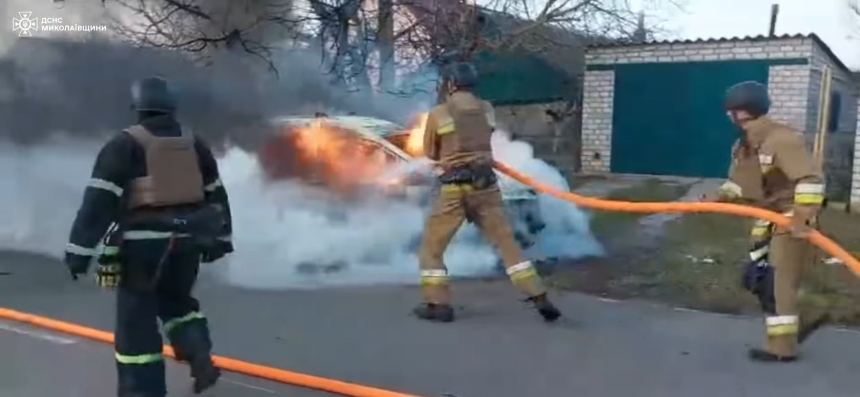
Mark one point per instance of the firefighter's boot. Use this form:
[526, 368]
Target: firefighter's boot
[807, 328]
[205, 375]
[434, 312]
[764, 356]
[545, 307]
[192, 344]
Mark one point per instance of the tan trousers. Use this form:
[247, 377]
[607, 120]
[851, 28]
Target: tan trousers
[789, 257]
[454, 205]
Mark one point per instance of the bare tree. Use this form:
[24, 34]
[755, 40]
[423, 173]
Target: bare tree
[854, 6]
[556, 30]
[364, 44]
[202, 27]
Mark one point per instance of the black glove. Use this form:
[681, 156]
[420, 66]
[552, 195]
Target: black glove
[107, 276]
[218, 251]
[78, 264]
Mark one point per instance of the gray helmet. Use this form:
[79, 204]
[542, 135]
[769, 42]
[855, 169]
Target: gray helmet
[153, 94]
[750, 96]
[462, 75]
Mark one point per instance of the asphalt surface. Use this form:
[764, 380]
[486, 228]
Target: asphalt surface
[498, 348]
[37, 363]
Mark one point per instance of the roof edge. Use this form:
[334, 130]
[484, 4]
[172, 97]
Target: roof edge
[760, 38]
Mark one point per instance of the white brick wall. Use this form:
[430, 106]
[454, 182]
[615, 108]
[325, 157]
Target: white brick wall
[855, 183]
[598, 94]
[685, 52]
[789, 87]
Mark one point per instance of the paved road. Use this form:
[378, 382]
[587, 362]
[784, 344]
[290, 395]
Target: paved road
[498, 349]
[37, 363]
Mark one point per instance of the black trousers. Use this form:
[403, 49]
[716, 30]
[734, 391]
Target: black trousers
[157, 278]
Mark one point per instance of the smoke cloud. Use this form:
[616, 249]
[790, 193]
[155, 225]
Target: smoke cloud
[61, 96]
[285, 236]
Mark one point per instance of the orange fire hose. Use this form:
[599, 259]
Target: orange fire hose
[355, 390]
[814, 237]
[229, 364]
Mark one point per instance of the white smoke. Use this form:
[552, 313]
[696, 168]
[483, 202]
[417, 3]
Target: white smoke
[286, 235]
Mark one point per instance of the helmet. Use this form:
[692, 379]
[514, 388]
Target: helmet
[153, 94]
[750, 96]
[462, 75]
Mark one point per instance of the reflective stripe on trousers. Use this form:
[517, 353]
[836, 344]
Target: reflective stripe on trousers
[434, 277]
[782, 325]
[140, 359]
[436, 284]
[521, 271]
[172, 324]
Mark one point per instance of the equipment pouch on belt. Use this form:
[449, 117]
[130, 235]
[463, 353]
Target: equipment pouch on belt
[479, 176]
[202, 226]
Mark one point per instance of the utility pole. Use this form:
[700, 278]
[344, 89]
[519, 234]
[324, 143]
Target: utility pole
[774, 13]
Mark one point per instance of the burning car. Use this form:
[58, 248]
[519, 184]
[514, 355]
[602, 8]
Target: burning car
[351, 155]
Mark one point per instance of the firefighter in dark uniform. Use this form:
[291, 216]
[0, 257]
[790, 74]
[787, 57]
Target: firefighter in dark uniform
[457, 138]
[155, 189]
[772, 169]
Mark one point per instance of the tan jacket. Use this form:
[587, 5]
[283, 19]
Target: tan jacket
[459, 131]
[774, 170]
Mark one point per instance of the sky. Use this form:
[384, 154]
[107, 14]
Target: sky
[829, 19]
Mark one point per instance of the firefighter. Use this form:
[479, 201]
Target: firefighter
[158, 188]
[457, 138]
[772, 169]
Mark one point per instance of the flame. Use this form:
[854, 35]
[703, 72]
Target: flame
[415, 142]
[337, 157]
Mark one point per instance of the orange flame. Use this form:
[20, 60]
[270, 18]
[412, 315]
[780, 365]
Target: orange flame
[415, 142]
[338, 158]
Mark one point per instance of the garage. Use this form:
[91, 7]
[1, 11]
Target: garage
[656, 108]
[668, 118]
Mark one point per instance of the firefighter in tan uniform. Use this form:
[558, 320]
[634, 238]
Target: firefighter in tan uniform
[155, 189]
[772, 169]
[457, 138]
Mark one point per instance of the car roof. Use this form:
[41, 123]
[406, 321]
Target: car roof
[369, 128]
[371, 124]
[376, 130]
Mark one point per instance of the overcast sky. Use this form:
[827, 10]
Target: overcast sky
[830, 19]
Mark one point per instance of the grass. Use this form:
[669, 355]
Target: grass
[698, 261]
[700, 264]
[611, 225]
[615, 230]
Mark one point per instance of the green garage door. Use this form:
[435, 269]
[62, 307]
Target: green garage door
[668, 118]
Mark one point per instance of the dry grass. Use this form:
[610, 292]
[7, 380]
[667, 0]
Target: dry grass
[612, 225]
[699, 260]
[700, 264]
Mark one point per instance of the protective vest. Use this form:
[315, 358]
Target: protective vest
[173, 174]
[465, 126]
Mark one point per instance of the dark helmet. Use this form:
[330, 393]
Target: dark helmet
[462, 75]
[750, 96]
[153, 94]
